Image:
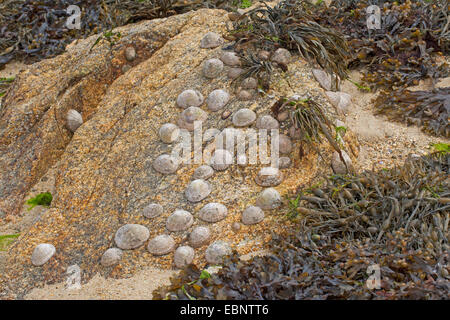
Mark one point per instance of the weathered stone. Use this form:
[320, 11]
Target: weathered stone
[323, 78]
[249, 83]
[283, 116]
[131, 236]
[197, 190]
[74, 120]
[126, 68]
[230, 58]
[130, 54]
[264, 55]
[161, 245]
[189, 116]
[295, 133]
[217, 99]
[236, 227]
[226, 114]
[42, 253]
[245, 95]
[284, 162]
[111, 257]
[244, 117]
[189, 98]
[183, 256]
[203, 172]
[281, 56]
[340, 100]
[252, 215]
[211, 40]
[233, 73]
[166, 164]
[169, 133]
[269, 177]
[212, 68]
[199, 236]
[153, 210]
[285, 144]
[213, 212]
[180, 220]
[267, 122]
[268, 199]
[215, 253]
[221, 159]
[339, 166]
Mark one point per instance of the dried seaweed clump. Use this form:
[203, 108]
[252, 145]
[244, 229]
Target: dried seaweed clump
[395, 220]
[430, 109]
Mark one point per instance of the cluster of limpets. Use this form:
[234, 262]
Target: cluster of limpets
[132, 236]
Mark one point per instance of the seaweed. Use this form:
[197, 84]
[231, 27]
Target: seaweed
[42, 199]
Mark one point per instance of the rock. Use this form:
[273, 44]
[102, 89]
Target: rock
[267, 122]
[323, 78]
[268, 199]
[169, 133]
[189, 116]
[340, 100]
[130, 54]
[203, 172]
[226, 114]
[211, 40]
[180, 220]
[285, 144]
[215, 253]
[264, 55]
[217, 99]
[189, 98]
[282, 116]
[213, 212]
[166, 164]
[230, 59]
[249, 83]
[284, 162]
[245, 95]
[161, 245]
[197, 190]
[269, 177]
[295, 133]
[252, 215]
[221, 159]
[199, 236]
[126, 68]
[131, 236]
[42, 253]
[281, 56]
[339, 166]
[244, 117]
[234, 73]
[111, 257]
[74, 120]
[153, 210]
[236, 227]
[212, 68]
[183, 256]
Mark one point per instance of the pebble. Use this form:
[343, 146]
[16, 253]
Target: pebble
[230, 58]
[211, 40]
[203, 172]
[295, 133]
[245, 95]
[217, 99]
[267, 122]
[215, 253]
[197, 190]
[244, 117]
[111, 257]
[169, 133]
[252, 215]
[226, 114]
[130, 54]
[281, 56]
[323, 78]
[183, 256]
[166, 164]
[126, 68]
[285, 144]
[212, 68]
[283, 116]
[161, 245]
[236, 227]
[74, 120]
[131, 236]
[269, 177]
[199, 236]
[268, 199]
[153, 210]
[190, 98]
[42, 253]
[340, 100]
[339, 166]
[249, 83]
[234, 73]
[189, 116]
[213, 212]
[180, 220]
[284, 162]
[221, 159]
[264, 55]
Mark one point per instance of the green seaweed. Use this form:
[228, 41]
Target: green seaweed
[42, 199]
